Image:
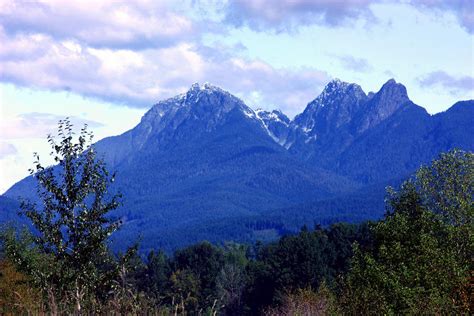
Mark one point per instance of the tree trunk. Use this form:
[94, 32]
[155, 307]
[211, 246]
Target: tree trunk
[78, 299]
[52, 303]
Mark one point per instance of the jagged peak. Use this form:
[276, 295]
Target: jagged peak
[334, 88]
[392, 85]
[192, 95]
[206, 86]
[275, 111]
[336, 82]
[393, 90]
[274, 115]
[197, 90]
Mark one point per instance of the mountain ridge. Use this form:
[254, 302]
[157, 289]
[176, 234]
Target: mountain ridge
[205, 157]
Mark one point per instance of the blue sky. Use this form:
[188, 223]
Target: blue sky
[106, 62]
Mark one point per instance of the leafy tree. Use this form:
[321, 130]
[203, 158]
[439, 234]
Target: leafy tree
[418, 263]
[185, 291]
[301, 261]
[125, 297]
[230, 281]
[154, 279]
[204, 261]
[447, 187]
[72, 225]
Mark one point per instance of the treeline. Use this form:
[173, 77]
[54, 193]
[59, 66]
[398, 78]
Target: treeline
[417, 260]
[233, 279]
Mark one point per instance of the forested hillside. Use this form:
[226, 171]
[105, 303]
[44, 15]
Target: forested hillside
[415, 260]
[204, 165]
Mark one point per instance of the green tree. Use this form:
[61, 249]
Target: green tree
[184, 291]
[72, 225]
[204, 261]
[230, 282]
[154, 279]
[447, 187]
[420, 261]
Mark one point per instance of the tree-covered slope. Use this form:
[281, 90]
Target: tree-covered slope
[203, 165]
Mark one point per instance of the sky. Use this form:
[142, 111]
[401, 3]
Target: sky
[105, 63]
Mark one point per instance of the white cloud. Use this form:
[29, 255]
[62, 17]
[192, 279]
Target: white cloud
[35, 125]
[462, 9]
[456, 85]
[140, 78]
[287, 15]
[353, 63]
[100, 23]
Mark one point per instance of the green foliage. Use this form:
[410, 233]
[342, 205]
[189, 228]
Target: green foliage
[185, 288]
[230, 282]
[420, 260]
[203, 261]
[417, 260]
[301, 261]
[447, 187]
[72, 225]
[155, 277]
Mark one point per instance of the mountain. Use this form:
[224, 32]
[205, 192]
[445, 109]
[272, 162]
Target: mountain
[276, 124]
[324, 129]
[203, 165]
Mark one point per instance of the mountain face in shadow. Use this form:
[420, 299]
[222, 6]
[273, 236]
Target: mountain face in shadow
[203, 165]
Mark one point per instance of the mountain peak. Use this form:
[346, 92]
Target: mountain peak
[396, 91]
[200, 92]
[388, 100]
[199, 101]
[334, 107]
[195, 87]
[274, 115]
[335, 92]
[335, 88]
[391, 96]
[335, 84]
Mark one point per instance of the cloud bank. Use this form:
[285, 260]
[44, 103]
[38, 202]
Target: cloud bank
[35, 124]
[287, 15]
[453, 84]
[141, 77]
[105, 23]
[136, 53]
[462, 9]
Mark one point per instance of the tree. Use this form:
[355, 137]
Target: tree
[203, 261]
[230, 282]
[154, 278]
[184, 291]
[420, 261]
[447, 187]
[72, 225]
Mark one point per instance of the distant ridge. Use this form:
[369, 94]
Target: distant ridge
[203, 165]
